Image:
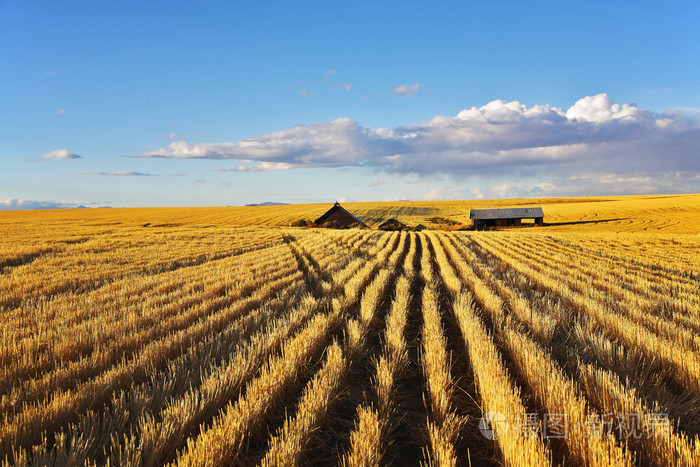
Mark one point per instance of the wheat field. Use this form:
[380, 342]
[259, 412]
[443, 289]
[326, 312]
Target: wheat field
[220, 336]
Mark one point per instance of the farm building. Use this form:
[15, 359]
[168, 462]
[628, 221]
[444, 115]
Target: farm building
[505, 217]
[338, 217]
[392, 224]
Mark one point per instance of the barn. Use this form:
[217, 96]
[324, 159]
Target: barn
[483, 218]
[391, 225]
[338, 217]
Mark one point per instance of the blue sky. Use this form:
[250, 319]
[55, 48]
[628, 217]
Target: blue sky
[228, 103]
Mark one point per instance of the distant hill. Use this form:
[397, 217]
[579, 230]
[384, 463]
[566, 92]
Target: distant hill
[268, 203]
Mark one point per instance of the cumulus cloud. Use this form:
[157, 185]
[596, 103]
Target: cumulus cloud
[14, 204]
[59, 154]
[600, 109]
[408, 90]
[257, 167]
[595, 136]
[591, 183]
[117, 173]
[339, 143]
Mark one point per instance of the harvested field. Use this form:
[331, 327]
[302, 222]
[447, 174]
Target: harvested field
[207, 343]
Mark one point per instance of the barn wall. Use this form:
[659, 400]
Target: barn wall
[505, 222]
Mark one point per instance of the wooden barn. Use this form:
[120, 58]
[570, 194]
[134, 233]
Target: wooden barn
[484, 218]
[338, 217]
[392, 224]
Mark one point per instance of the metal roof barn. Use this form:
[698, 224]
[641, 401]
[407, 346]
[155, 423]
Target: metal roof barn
[505, 217]
[508, 213]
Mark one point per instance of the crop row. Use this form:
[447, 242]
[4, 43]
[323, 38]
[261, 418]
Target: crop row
[253, 358]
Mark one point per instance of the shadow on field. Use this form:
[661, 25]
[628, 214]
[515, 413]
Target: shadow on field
[552, 224]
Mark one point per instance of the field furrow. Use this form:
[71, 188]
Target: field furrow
[443, 423]
[62, 407]
[370, 439]
[93, 358]
[579, 339]
[233, 428]
[638, 296]
[195, 340]
[681, 365]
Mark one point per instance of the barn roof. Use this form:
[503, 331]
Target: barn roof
[507, 213]
[336, 208]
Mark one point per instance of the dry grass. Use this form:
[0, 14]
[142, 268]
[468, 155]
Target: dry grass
[497, 391]
[655, 214]
[368, 441]
[199, 341]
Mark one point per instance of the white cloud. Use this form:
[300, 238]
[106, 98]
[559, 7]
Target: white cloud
[444, 192]
[477, 193]
[601, 109]
[692, 111]
[592, 184]
[503, 190]
[117, 173]
[14, 204]
[61, 154]
[542, 142]
[61, 112]
[172, 135]
[257, 167]
[408, 90]
[343, 86]
[339, 143]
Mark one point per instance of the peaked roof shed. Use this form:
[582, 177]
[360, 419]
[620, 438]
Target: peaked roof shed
[392, 224]
[338, 216]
